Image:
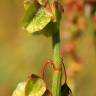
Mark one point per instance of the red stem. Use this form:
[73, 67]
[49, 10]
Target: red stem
[64, 70]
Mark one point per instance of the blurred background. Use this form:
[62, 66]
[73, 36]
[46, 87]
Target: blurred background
[22, 54]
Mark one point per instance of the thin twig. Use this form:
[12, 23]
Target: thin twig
[64, 70]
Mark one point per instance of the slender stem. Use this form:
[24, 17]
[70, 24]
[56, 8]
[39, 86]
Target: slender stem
[64, 70]
[56, 84]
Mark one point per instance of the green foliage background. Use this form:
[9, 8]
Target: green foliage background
[21, 54]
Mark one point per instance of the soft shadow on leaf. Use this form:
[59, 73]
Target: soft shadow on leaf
[49, 29]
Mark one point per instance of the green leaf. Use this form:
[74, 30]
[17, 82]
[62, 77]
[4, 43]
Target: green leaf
[38, 17]
[40, 20]
[42, 2]
[20, 90]
[31, 8]
[34, 86]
